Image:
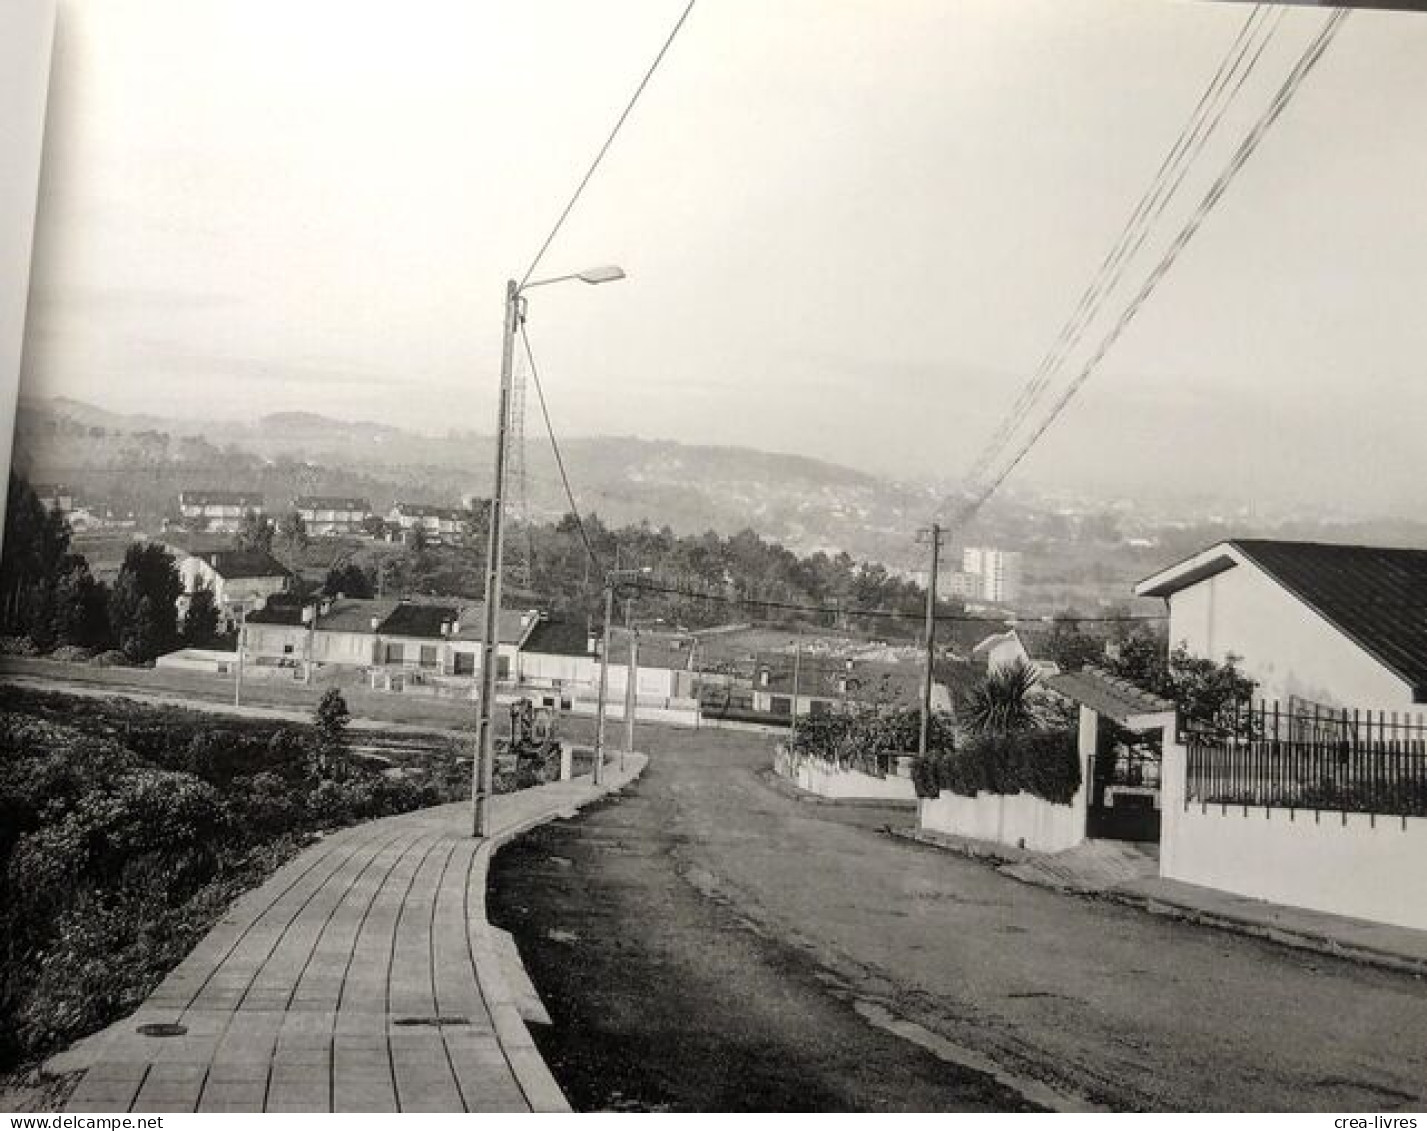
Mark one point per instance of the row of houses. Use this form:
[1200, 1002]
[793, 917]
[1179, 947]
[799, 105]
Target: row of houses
[323, 515]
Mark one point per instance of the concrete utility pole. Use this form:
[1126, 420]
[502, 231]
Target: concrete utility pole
[483, 765]
[612, 578]
[631, 681]
[242, 632]
[932, 534]
[797, 673]
[604, 676]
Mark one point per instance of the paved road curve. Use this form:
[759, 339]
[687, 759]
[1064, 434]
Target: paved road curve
[707, 942]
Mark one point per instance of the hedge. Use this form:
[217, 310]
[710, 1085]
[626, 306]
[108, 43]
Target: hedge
[1043, 763]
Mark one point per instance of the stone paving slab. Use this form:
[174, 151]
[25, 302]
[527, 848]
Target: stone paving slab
[362, 976]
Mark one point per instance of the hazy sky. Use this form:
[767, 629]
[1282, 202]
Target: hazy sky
[851, 228]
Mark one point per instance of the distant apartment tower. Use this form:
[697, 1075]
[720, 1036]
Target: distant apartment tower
[998, 572]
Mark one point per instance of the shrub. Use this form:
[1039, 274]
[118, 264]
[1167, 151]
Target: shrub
[1043, 763]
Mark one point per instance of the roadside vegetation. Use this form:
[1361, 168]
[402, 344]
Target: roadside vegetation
[126, 831]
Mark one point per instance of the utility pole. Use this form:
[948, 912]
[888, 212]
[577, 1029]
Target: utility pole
[604, 676]
[631, 681]
[483, 765]
[932, 534]
[242, 632]
[797, 674]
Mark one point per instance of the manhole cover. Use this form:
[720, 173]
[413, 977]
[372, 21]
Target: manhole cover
[436, 1021]
[163, 1029]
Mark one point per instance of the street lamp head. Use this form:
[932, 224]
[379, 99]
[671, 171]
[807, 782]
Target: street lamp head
[609, 273]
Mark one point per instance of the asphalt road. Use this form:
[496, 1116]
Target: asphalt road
[706, 942]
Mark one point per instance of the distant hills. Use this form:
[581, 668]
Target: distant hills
[806, 504]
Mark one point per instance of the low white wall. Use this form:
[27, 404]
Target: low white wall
[826, 779]
[1018, 820]
[1351, 864]
[1347, 864]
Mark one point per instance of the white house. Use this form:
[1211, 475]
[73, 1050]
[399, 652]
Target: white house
[218, 510]
[236, 577]
[332, 514]
[437, 524]
[1321, 624]
[1028, 645]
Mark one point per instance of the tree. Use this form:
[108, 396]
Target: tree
[374, 526]
[1001, 703]
[80, 607]
[1070, 648]
[200, 621]
[291, 538]
[1204, 690]
[254, 532]
[143, 610]
[36, 542]
[330, 719]
[350, 580]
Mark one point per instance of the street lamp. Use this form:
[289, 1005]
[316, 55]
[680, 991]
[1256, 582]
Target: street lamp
[483, 766]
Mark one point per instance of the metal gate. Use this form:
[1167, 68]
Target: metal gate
[1124, 794]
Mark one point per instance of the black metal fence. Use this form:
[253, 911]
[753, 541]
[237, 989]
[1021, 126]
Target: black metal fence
[1348, 761]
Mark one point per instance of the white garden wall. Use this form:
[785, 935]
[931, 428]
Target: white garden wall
[826, 779]
[1017, 820]
[1344, 863]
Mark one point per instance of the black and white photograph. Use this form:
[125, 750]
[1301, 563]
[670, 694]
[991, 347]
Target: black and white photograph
[697, 556]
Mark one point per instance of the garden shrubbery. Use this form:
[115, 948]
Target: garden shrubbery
[863, 739]
[125, 832]
[1043, 763]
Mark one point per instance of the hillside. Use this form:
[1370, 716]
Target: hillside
[143, 461]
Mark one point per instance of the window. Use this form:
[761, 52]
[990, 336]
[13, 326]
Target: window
[465, 663]
[428, 655]
[781, 705]
[392, 654]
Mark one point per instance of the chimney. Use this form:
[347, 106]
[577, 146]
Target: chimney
[445, 628]
[375, 622]
[455, 628]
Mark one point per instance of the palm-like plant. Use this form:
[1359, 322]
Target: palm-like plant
[1001, 703]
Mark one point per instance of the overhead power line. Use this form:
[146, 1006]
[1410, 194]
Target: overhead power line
[640, 585]
[609, 141]
[1310, 57]
[555, 447]
[1235, 68]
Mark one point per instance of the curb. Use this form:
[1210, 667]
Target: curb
[1283, 936]
[531, 1072]
[1186, 913]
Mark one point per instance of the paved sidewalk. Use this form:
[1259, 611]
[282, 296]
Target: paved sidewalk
[1129, 873]
[362, 976]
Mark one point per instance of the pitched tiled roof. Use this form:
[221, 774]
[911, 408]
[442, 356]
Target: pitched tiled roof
[1377, 596]
[426, 510]
[409, 619]
[558, 638]
[352, 615]
[220, 499]
[466, 622]
[234, 564]
[1108, 695]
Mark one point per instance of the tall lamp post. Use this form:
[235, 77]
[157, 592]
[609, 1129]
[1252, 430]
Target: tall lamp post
[483, 765]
